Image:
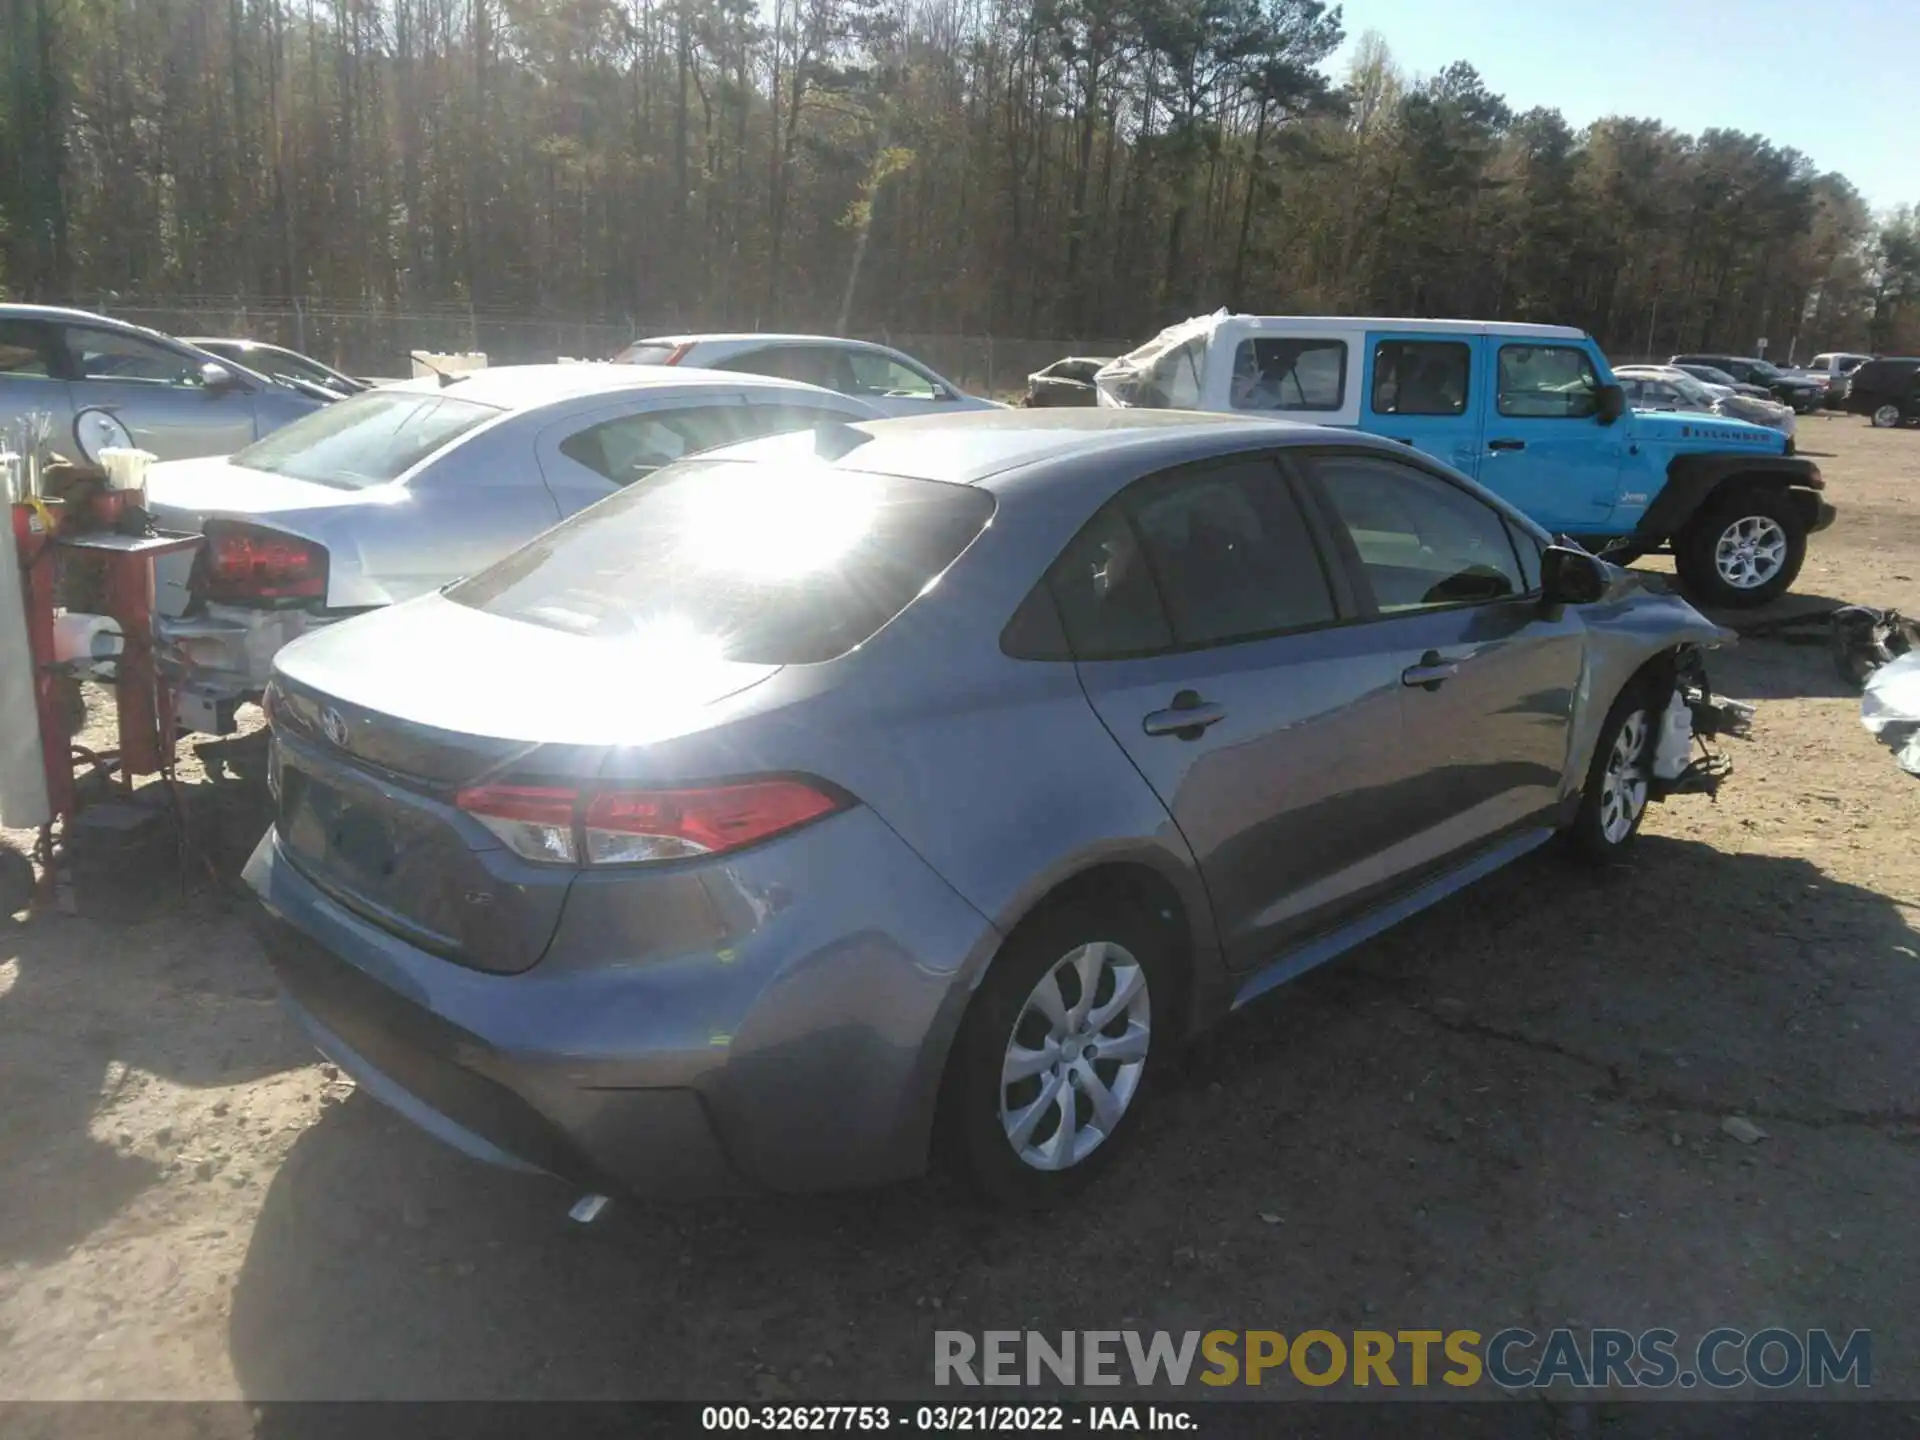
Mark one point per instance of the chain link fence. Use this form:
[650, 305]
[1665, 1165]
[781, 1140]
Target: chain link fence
[367, 340]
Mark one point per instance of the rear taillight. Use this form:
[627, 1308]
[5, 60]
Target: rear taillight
[247, 564]
[636, 827]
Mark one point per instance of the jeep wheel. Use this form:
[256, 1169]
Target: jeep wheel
[1885, 417]
[1742, 550]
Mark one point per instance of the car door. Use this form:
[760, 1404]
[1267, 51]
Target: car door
[1423, 391]
[1209, 633]
[30, 380]
[1487, 675]
[1547, 452]
[157, 393]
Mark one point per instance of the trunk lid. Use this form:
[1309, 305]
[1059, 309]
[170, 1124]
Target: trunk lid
[380, 720]
[185, 494]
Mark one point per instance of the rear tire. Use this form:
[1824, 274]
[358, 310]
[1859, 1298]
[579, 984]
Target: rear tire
[1885, 417]
[1083, 1062]
[1742, 549]
[1615, 799]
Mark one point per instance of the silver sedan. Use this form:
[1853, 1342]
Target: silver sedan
[921, 787]
[399, 490]
[106, 383]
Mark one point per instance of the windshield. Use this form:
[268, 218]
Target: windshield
[1709, 373]
[1766, 370]
[785, 562]
[365, 440]
[1690, 390]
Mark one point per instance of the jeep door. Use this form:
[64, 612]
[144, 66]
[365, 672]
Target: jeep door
[1547, 451]
[1424, 390]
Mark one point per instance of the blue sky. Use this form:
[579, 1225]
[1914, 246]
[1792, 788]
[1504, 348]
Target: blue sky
[1836, 79]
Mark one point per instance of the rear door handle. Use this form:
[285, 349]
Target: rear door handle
[1506, 444]
[1431, 673]
[1187, 717]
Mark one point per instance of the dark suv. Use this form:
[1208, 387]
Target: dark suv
[1799, 391]
[1886, 391]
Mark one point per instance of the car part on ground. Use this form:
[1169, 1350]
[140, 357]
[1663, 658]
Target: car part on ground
[1066, 382]
[1528, 410]
[1890, 709]
[1864, 639]
[404, 488]
[890, 380]
[922, 786]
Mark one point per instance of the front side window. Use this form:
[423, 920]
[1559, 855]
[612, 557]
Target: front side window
[366, 439]
[1421, 377]
[877, 375]
[111, 355]
[769, 562]
[1421, 541]
[1280, 373]
[1547, 382]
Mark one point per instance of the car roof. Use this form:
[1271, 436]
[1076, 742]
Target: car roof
[66, 315]
[1428, 327]
[735, 336]
[976, 446]
[527, 387]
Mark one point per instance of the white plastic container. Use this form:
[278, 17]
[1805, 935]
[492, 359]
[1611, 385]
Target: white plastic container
[1674, 747]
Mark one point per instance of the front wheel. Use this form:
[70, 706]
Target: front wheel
[1615, 799]
[1058, 1051]
[1885, 417]
[1742, 550]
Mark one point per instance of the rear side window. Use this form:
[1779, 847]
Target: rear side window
[366, 439]
[1278, 373]
[811, 364]
[1547, 382]
[632, 446]
[775, 563]
[1421, 377]
[1189, 559]
[25, 349]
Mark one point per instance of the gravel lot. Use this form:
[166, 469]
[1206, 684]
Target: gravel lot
[1509, 1112]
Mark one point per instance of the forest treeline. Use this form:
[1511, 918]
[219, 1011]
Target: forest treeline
[1011, 167]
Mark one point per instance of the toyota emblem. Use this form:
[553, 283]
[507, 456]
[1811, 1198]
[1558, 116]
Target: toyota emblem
[334, 726]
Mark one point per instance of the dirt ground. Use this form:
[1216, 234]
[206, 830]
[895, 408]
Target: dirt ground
[1507, 1113]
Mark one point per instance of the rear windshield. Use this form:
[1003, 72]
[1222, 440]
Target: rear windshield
[366, 440]
[775, 563]
[645, 352]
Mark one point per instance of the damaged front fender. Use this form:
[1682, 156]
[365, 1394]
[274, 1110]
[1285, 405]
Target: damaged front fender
[1640, 631]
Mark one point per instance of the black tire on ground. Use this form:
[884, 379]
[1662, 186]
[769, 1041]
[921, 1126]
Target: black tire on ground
[1735, 518]
[972, 1136]
[1597, 834]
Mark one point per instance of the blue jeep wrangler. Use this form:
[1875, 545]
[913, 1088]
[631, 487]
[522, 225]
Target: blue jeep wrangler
[1531, 412]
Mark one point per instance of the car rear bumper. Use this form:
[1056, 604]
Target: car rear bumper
[806, 1054]
[224, 654]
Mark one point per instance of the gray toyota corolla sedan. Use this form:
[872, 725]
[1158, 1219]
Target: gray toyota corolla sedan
[921, 786]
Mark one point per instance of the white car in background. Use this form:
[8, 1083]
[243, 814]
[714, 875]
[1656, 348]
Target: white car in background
[892, 382]
[1668, 387]
[399, 490]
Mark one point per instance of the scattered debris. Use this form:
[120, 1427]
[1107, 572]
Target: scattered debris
[1269, 1218]
[1743, 1129]
[1864, 639]
[1890, 709]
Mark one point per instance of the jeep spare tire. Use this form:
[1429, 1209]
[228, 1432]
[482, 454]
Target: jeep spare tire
[1742, 549]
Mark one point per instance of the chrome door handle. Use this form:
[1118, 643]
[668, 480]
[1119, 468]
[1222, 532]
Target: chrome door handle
[1187, 717]
[1431, 673]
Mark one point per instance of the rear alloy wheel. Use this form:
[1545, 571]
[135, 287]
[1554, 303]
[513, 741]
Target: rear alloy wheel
[1058, 1051]
[1742, 550]
[1885, 417]
[1618, 782]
